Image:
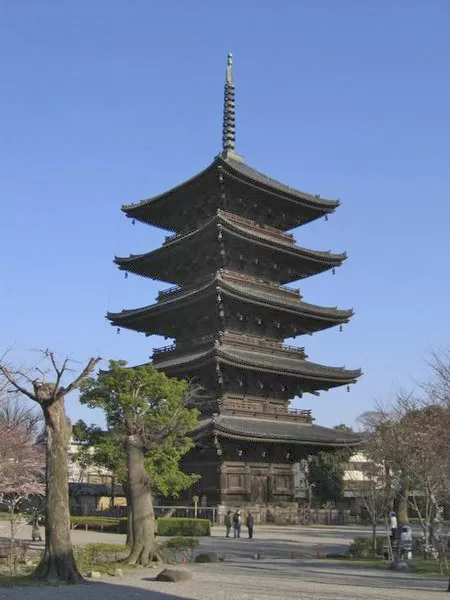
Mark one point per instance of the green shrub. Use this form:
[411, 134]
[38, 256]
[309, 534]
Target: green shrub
[99, 557]
[362, 547]
[180, 547]
[180, 527]
[98, 523]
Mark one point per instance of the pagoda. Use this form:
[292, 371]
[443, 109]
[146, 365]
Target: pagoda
[229, 311]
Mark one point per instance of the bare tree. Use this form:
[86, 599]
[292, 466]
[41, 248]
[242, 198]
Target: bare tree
[15, 411]
[412, 441]
[57, 563]
[438, 388]
[373, 481]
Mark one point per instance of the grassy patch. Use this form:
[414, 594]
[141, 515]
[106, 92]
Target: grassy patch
[23, 577]
[424, 567]
[104, 558]
[18, 581]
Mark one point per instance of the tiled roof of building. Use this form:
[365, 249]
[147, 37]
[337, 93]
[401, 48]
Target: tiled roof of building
[260, 359]
[251, 175]
[262, 294]
[278, 430]
[254, 175]
[137, 262]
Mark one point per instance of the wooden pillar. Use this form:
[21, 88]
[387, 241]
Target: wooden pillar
[223, 482]
[270, 483]
[248, 482]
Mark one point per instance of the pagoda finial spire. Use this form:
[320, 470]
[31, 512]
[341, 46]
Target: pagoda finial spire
[229, 114]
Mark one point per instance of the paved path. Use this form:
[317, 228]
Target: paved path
[278, 575]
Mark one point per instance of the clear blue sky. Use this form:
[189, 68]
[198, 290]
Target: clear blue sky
[108, 102]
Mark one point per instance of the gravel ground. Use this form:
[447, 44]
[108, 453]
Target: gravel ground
[245, 582]
[275, 577]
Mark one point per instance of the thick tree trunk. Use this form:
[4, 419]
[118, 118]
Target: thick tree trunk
[374, 538]
[144, 548]
[129, 540]
[57, 563]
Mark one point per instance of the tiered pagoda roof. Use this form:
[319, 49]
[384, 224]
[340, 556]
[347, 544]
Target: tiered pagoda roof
[167, 263]
[161, 317]
[290, 362]
[169, 210]
[230, 258]
[285, 432]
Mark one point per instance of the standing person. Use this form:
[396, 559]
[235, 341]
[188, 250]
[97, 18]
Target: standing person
[393, 524]
[237, 524]
[227, 523]
[35, 531]
[250, 522]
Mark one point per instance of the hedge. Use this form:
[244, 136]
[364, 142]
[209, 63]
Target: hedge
[174, 526]
[99, 523]
[165, 526]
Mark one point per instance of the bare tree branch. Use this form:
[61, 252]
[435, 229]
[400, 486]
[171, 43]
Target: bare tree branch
[11, 379]
[78, 380]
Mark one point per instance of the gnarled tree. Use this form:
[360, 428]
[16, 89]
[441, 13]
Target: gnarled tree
[148, 414]
[57, 563]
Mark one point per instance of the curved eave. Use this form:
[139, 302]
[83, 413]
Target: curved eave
[264, 362]
[137, 211]
[281, 440]
[286, 365]
[267, 240]
[329, 316]
[250, 175]
[325, 259]
[274, 431]
[147, 210]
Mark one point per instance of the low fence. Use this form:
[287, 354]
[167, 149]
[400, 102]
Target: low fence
[313, 516]
[207, 512]
[325, 516]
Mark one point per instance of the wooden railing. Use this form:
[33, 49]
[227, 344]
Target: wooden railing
[169, 348]
[263, 230]
[257, 282]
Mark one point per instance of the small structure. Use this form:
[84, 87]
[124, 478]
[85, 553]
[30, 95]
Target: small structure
[229, 310]
[90, 498]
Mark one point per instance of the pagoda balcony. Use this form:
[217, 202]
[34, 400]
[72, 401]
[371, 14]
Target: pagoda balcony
[262, 229]
[266, 231]
[181, 345]
[236, 277]
[164, 349]
[175, 290]
[233, 339]
[256, 282]
[239, 339]
[256, 406]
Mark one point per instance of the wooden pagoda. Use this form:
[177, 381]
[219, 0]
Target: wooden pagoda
[229, 311]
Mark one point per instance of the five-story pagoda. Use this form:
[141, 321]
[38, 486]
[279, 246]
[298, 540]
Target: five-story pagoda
[229, 313]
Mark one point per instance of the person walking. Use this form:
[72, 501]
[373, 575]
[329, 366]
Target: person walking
[227, 523]
[237, 524]
[250, 521]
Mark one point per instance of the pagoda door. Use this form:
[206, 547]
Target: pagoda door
[259, 489]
